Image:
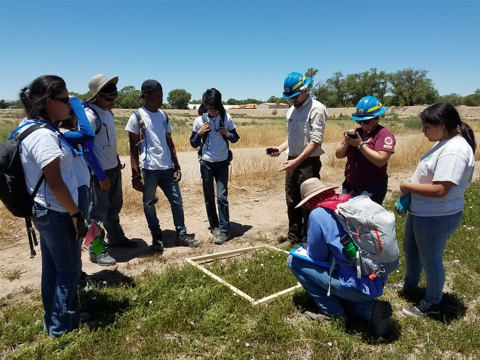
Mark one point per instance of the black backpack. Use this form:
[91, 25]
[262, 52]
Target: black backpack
[13, 190]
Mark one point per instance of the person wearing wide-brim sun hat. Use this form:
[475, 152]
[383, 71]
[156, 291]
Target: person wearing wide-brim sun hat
[337, 292]
[107, 198]
[306, 121]
[367, 149]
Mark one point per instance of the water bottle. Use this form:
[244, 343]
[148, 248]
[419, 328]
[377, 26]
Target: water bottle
[349, 246]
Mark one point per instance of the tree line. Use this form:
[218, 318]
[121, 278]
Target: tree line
[405, 87]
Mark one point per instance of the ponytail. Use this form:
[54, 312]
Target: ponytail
[468, 134]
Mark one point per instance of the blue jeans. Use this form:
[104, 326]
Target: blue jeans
[61, 267]
[424, 243]
[315, 280]
[107, 204]
[378, 191]
[218, 172]
[164, 180]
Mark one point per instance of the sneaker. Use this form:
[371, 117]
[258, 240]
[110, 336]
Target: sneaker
[222, 238]
[103, 259]
[185, 240]
[215, 232]
[123, 242]
[381, 320]
[424, 308]
[157, 244]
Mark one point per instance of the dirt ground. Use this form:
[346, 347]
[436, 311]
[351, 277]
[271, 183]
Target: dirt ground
[258, 216]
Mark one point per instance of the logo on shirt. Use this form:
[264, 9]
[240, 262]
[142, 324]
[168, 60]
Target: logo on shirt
[388, 142]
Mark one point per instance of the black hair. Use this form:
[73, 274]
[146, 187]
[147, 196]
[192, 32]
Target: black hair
[211, 97]
[34, 97]
[446, 114]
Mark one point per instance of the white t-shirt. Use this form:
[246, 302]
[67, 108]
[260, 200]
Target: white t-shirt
[154, 153]
[449, 160]
[215, 148]
[38, 150]
[105, 144]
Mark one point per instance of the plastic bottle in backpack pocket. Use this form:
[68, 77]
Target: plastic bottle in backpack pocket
[349, 247]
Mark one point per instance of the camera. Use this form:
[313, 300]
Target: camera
[352, 134]
[271, 151]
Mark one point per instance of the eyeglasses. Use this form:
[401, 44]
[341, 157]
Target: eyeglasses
[212, 109]
[364, 122]
[65, 100]
[295, 97]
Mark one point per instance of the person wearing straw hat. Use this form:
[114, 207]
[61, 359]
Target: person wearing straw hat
[337, 293]
[107, 196]
[306, 121]
[367, 149]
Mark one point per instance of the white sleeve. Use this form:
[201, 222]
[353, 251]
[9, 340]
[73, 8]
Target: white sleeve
[132, 124]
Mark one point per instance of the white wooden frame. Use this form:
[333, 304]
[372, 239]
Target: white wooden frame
[197, 260]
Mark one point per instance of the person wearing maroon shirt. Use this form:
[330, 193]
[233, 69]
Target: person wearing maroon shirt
[367, 149]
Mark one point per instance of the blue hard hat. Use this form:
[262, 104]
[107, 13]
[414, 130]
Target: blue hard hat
[368, 108]
[293, 84]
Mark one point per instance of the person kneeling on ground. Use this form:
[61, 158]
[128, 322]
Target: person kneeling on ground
[338, 293]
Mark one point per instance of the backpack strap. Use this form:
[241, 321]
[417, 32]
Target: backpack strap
[141, 125]
[98, 120]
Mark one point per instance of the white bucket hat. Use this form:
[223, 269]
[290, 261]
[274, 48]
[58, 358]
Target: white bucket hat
[310, 188]
[98, 82]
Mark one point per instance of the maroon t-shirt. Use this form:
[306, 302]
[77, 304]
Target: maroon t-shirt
[359, 171]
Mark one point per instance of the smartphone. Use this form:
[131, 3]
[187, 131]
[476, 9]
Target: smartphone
[271, 151]
[352, 134]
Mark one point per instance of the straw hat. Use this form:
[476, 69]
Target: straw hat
[98, 82]
[310, 188]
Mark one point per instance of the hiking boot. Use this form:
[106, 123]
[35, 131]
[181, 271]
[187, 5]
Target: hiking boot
[215, 231]
[157, 244]
[123, 242]
[222, 238]
[103, 259]
[185, 240]
[314, 316]
[381, 320]
[424, 308]
[85, 317]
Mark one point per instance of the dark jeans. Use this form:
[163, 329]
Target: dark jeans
[218, 172]
[378, 191]
[298, 218]
[107, 204]
[61, 267]
[164, 180]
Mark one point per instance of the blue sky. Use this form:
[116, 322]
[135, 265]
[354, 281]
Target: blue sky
[243, 48]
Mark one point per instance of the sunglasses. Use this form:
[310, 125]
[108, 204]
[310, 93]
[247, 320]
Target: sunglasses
[65, 100]
[364, 122]
[109, 99]
[212, 109]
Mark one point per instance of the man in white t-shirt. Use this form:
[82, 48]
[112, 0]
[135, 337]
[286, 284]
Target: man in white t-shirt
[154, 163]
[107, 199]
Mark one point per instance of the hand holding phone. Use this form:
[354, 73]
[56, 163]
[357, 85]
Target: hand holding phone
[271, 150]
[351, 134]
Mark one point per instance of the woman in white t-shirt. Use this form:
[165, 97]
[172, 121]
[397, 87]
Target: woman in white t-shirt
[56, 215]
[437, 189]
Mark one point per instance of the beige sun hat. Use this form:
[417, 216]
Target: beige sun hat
[98, 82]
[312, 187]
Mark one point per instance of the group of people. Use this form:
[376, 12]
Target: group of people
[436, 191]
[83, 184]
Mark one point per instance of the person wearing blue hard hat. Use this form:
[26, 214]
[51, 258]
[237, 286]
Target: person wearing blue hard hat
[306, 121]
[367, 149]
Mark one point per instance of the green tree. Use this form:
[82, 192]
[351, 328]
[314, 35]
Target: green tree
[311, 72]
[232, 101]
[473, 99]
[128, 98]
[3, 104]
[454, 99]
[412, 87]
[179, 98]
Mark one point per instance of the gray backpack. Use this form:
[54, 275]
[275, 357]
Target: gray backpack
[372, 229]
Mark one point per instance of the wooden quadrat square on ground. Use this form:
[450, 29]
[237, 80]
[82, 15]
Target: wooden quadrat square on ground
[198, 260]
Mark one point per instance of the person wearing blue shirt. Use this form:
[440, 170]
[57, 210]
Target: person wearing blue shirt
[337, 292]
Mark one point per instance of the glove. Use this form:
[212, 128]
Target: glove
[403, 204]
[137, 183]
[80, 225]
[177, 174]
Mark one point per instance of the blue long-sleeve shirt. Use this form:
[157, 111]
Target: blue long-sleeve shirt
[85, 136]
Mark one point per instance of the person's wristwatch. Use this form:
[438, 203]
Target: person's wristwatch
[359, 147]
